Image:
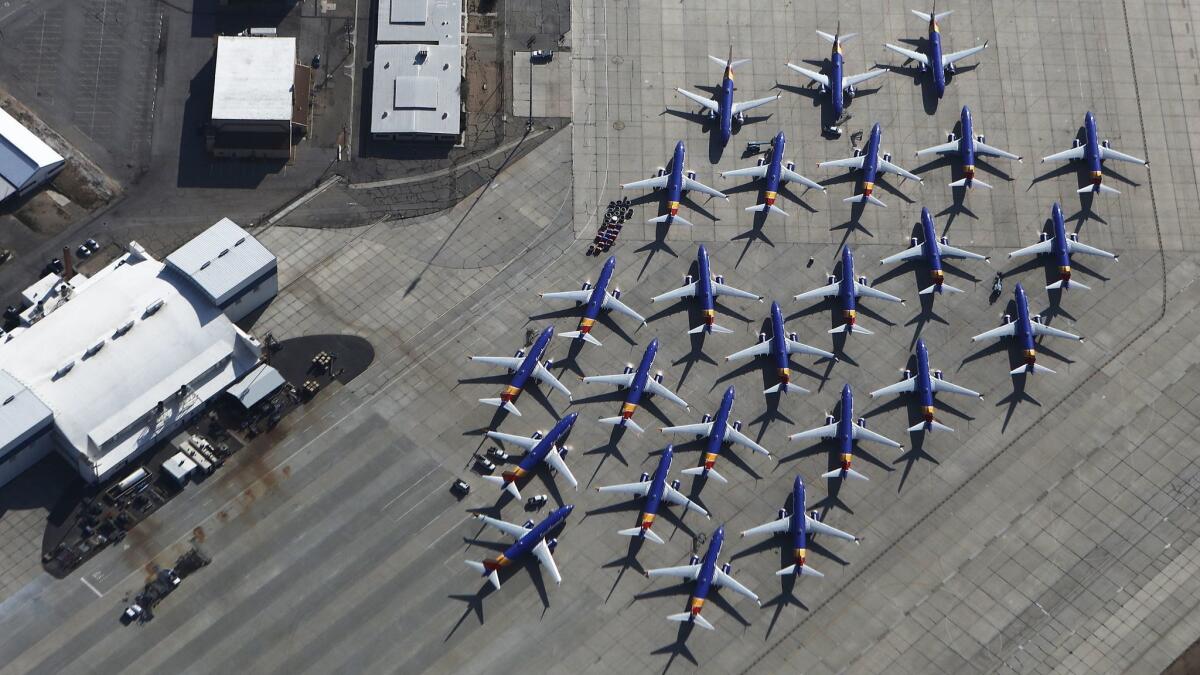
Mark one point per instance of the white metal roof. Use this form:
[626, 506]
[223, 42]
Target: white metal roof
[21, 153]
[414, 94]
[257, 385]
[427, 21]
[222, 260]
[254, 78]
[21, 413]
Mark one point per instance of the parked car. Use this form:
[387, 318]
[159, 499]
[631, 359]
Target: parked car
[460, 488]
[498, 455]
[485, 465]
[541, 55]
[536, 502]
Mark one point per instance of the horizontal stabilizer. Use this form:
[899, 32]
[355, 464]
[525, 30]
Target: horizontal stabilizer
[711, 328]
[929, 426]
[668, 218]
[580, 335]
[844, 474]
[622, 422]
[1099, 188]
[782, 388]
[493, 576]
[767, 207]
[507, 405]
[1027, 369]
[804, 571]
[851, 328]
[1067, 285]
[701, 471]
[684, 617]
[639, 532]
[508, 486]
[870, 199]
[970, 183]
[940, 288]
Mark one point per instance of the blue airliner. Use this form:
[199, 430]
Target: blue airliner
[932, 249]
[1024, 328]
[1094, 152]
[718, 430]
[721, 106]
[596, 297]
[845, 431]
[538, 449]
[871, 163]
[1061, 245]
[934, 61]
[638, 382]
[834, 81]
[655, 489]
[676, 181]
[775, 172]
[847, 290]
[925, 383]
[530, 538]
[706, 288]
[780, 346]
[967, 146]
[799, 525]
[706, 574]
[524, 366]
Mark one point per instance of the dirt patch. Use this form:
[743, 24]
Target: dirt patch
[82, 187]
[481, 24]
[46, 215]
[484, 94]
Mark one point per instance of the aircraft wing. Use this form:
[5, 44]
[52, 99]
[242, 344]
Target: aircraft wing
[982, 148]
[759, 349]
[938, 384]
[859, 431]
[682, 292]
[827, 431]
[942, 149]
[1109, 153]
[811, 74]
[1077, 247]
[520, 441]
[555, 460]
[702, 429]
[546, 558]
[709, 103]
[851, 80]
[789, 175]
[756, 171]
[794, 347]
[951, 252]
[887, 166]
[900, 387]
[683, 572]
[693, 184]
[1073, 153]
[1042, 329]
[677, 498]
[750, 105]
[773, 527]
[620, 380]
[1040, 247]
[813, 526]
[863, 289]
[948, 59]
[849, 163]
[722, 289]
[734, 436]
[1007, 330]
[628, 488]
[915, 56]
[511, 529]
[822, 292]
[656, 182]
[575, 296]
[723, 580]
[547, 377]
[510, 362]
[907, 254]
[611, 302]
[655, 387]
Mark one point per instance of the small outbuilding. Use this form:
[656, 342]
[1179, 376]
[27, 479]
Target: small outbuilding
[260, 97]
[25, 160]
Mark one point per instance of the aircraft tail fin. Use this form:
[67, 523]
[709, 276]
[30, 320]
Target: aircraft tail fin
[1027, 369]
[970, 183]
[483, 569]
[844, 474]
[701, 471]
[580, 335]
[865, 198]
[712, 328]
[668, 218]
[767, 207]
[804, 571]
[507, 405]
[1099, 188]
[940, 288]
[639, 532]
[1067, 285]
[619, 421]
[929, 426]
[684, 617]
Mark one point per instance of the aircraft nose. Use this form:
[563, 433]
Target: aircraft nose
[966, 112]
[775, 307]
[729, 392]
[653, 344]
[571, 417]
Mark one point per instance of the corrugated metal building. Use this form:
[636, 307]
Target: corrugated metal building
[417, 71]
[25, 160]
[235, 271]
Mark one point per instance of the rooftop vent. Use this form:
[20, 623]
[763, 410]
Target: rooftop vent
[94, 349]
[154, 307]
[123, 329]
[10, 399]
[64, 369]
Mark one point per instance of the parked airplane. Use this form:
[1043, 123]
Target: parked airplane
[799, 525]
[834, 81]
[523, 366]
[1024, 328]
[967, 146]
[925, 383]
[637, 382]
[845, 431]
[779, 346]
[596, 297]
[706, 574]
[538, 449]
[677, 182]
[722, 107]
[655, 489]
[776, 173]
[530, 539]
[1061, 245]
[847, 290]
[719, 431]
[934, 60]
[871, 163]
[932, 249]
[1094, 152]
[706, 287]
